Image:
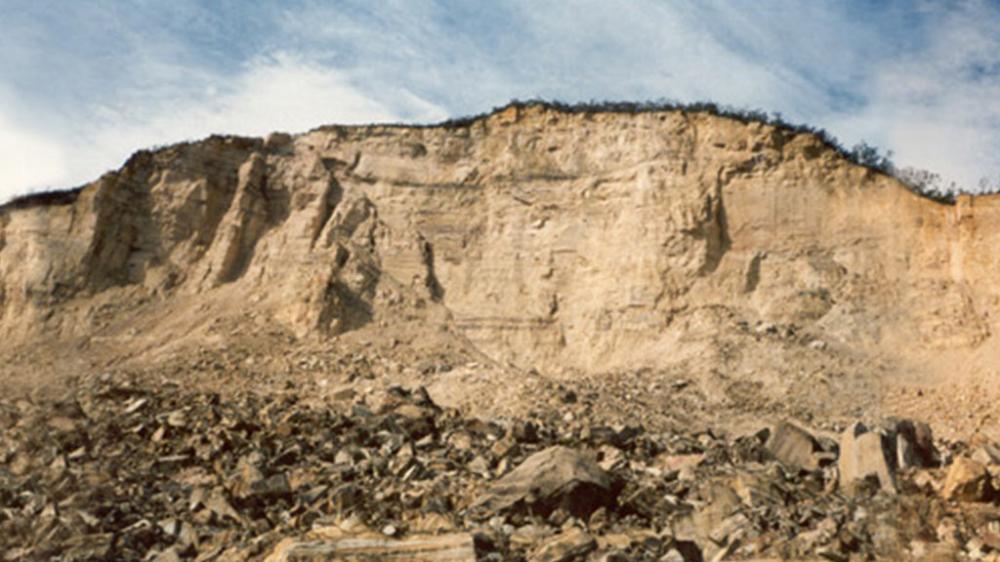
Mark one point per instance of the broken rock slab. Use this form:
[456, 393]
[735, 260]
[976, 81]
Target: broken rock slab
[986, 453]
[557, 477]
[794, 447]
[879, 453]
[456, 547]
[914, 443]
[967, 480]
[866, 455]
[573, 544]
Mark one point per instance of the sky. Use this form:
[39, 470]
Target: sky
[85, 84]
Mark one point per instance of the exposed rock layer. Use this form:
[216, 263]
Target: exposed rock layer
[553, 240]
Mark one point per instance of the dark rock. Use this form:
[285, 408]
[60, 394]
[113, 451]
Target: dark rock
[914, 443]
[684, 551]
[557, 477]
[794, 447]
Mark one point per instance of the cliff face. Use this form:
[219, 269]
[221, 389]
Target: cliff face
[553, 240]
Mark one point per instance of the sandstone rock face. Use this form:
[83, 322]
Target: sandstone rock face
[545, 239]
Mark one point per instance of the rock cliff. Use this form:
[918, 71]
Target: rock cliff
[561, 241]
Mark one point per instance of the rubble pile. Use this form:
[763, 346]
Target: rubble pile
[120, 469]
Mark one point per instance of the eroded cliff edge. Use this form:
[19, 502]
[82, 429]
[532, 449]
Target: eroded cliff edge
[544, 239]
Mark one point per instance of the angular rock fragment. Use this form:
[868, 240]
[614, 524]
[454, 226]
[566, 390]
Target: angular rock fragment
[671, 463]
[457, 547]
[135, 405]
[967, 480]
[557, 477]
[168, 555]
[416, 421]
[216, 502]
[683, 551]
[570, 545]
[794, 447]
[986, 453]
[610, 457]
[728, 529]
[914, 443]
[530, 535]
[879, 453]
[866, 455]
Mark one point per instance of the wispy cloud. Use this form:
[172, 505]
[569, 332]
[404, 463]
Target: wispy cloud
[938, 106]
[27, 158]
[279, 92]
[84, 84]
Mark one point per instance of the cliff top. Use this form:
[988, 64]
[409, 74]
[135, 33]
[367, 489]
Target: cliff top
[872, 161]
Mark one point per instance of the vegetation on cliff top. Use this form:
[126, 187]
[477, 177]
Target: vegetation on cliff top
[922, 182]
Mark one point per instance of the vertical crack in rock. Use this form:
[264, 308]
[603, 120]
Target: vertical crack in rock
[753, 273]
[123, 207]
[328, 201]
[714, 227]
[246, 220]
[431, 282]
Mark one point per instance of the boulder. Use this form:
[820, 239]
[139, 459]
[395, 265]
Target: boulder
[986, 453]
[557, 477]
[570, 545]
[967, 480]
[914, 443]
[878, 454]
[456, 547]
[866, 456]
[716, 525]
[794, 447]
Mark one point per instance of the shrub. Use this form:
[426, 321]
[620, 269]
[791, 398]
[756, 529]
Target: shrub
[868, 155]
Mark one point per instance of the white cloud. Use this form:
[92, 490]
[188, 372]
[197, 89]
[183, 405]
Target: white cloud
[938, 107]
[272, 94]
[275, 93]
[902, 75]
[28, 160]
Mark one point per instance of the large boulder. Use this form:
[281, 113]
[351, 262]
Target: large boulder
[877, 454]
[794, 447]
[914, 443]
[457, 547]
[967, 480]
[557, 477]
[866, 456]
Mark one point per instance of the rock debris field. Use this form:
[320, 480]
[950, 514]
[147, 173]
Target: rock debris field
[123, 469]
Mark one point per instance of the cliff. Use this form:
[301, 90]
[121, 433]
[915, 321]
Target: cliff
[562, 241]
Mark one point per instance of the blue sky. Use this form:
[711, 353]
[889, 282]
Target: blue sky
[84, 84]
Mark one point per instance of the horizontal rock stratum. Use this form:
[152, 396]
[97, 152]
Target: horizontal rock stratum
[582, 241]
